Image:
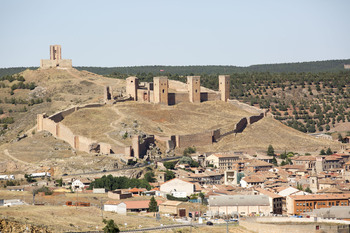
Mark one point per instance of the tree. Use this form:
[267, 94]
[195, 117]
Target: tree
[299, 186]
[110, 227]
[169, 175]
[169, 165]
[308, 190]
[270, 151]
[322, 152]
[149, 176]
[329, 151]
[153, 205]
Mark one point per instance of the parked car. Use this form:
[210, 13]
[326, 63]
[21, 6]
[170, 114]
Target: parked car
[209, 223]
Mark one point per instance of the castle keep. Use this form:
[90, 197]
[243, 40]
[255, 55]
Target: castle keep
[55, 59]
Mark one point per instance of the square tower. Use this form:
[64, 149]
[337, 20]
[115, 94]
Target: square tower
[224, 87]
[132, 83]
[55, 52]
[194, 88]
[160, 90]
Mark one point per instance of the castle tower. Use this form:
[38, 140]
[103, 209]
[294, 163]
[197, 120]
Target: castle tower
[55, 52]
[132, 83]
[194, 88]
[224, 87]
[314, 183]
[160, 90]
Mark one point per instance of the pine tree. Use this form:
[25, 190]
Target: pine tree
[152, 205]
[270, 151]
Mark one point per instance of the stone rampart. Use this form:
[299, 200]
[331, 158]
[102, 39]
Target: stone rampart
[198, 139]
[246, 107]
[64, 133]
[209, 96]
[57, 117]
[254, 119]
[176, 98]
[50, 126]
[63, 63]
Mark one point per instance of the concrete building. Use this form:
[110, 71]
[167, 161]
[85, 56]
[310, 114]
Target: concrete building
[239, 204]
[300, 204]
[55, 60]
[174, 208]
[177, 188]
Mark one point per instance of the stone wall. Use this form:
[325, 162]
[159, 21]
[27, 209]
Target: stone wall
[198, 139]
[64, 63]
[254, 119]
[176, 98]
[209, 96]
[57, 117]
[246, 107]
[64, 133]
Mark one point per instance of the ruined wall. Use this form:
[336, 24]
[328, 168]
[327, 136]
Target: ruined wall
[61, 115]
[254, 119]
[216, 135]
[176, 98]
[84, 144]
[209, 96]
[241, 125]
[198, 139]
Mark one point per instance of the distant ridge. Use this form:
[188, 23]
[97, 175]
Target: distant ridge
[299, 67]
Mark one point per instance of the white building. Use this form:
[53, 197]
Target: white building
[77, 185]
[40, 174]
[7, 177]
[115, 206]
[239, 204]
[177, 187]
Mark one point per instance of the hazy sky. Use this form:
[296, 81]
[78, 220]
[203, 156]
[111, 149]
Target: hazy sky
[178, 32]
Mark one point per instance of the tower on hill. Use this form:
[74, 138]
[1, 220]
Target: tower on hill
[194, 88]
[55, 59]
[160, 90]
[224, 87]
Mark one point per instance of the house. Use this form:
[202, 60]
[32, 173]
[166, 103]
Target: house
[245, 205]
[255, 165]
[286, 191]
[177, 188]
[275, 200]
[207, 177]
[119, 194]
[137, 191]
[300, 204]
[253, 180]
[307, 161]
[77, 185]
[174, 208]
[127, 206]
[115, 206]
[222, 161]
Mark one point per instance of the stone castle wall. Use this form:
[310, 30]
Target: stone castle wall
[198, 139]
[65, 134]
[64, 63]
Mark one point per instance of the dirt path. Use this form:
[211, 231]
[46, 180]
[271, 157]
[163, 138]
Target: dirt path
[112, 124]
[6, 152]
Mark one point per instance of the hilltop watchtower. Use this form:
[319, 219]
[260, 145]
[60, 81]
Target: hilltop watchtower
[132, 83]
[160, 89]
[194, 88]
[55, 59]
[224, 87]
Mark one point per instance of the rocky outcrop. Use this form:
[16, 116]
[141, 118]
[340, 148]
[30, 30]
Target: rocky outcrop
[7, 226]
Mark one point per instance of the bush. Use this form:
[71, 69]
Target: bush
[169, 165]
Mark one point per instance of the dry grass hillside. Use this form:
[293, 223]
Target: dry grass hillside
[115, 124]
[271, 132]
[64, 88]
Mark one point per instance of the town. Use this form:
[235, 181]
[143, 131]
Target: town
[173, 176]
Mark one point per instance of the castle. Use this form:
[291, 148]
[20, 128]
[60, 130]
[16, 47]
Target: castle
[162, 91]
[55, 59]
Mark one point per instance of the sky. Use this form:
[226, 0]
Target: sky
[174, 32]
